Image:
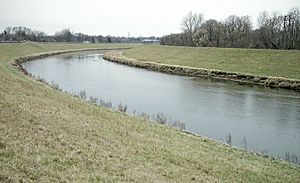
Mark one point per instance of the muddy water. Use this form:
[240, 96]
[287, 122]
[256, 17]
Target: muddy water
[261, 119]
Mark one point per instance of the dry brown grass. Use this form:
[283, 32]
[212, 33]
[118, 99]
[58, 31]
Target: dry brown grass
[50, 136]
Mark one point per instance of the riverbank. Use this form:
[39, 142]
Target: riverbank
[273, 68]
[50, 136]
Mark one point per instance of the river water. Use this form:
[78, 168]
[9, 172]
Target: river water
[261, 119]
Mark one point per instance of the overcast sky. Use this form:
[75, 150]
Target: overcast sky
[118, 17]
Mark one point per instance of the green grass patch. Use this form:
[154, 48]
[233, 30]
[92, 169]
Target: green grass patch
[261, 62]
[50, 136]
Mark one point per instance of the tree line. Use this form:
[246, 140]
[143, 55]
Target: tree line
[20, 34]
[274, 31]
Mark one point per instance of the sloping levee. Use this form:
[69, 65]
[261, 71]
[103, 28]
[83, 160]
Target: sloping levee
[269, 81]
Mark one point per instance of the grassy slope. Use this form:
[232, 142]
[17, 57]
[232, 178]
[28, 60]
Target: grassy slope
[279, 63]
[49, 136]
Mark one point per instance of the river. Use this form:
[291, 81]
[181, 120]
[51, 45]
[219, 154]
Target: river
[258, 118]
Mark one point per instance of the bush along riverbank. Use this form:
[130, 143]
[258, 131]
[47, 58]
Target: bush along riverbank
[49, 136]
[268, 81]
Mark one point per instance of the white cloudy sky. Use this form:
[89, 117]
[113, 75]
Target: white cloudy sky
[118, 17]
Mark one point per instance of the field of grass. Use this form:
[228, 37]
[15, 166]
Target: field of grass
[49, 136]
[278, 63]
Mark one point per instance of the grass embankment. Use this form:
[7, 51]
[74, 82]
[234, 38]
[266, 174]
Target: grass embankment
[276, 63]
[49, 136]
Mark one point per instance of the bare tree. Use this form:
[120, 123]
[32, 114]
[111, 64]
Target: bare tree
[7, 33]
[291, 29]
[270, 28]
[280, 31]
[275, 31]
[237, 31]
[190, 24]
[64, 35]
[209, 34]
